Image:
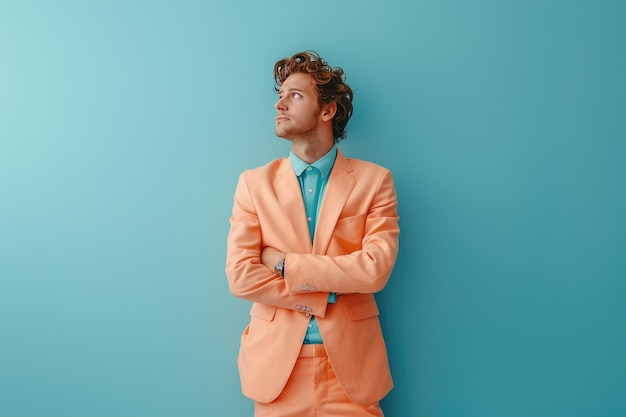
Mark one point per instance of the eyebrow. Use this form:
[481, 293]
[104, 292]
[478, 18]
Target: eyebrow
[291, 89]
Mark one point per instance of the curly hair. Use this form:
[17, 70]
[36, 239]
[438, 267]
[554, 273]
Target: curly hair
[331, 85]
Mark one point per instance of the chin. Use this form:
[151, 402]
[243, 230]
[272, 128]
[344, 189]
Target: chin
[282, 134]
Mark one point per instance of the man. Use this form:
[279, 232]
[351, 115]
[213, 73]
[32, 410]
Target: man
[312, 238]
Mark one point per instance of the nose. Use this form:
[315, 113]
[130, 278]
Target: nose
[280, 104]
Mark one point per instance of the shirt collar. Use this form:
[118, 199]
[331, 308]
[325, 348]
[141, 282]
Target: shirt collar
[324, 164]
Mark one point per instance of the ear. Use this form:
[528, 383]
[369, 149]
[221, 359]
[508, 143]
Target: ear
[328, 111]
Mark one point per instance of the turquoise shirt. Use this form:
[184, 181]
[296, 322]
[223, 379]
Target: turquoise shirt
[313, 180]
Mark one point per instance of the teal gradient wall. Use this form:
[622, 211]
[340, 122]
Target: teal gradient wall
[124, 126]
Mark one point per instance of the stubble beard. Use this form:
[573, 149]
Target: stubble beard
[281, 133]
[294, 133]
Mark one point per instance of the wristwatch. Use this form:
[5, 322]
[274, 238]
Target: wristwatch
[279, 268]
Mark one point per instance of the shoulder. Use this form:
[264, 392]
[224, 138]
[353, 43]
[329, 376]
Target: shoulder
[270, 169]
[366, 174]
[365, 165]
[362, 167]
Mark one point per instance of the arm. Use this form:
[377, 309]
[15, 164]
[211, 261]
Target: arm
[247, 277]
[365, 270]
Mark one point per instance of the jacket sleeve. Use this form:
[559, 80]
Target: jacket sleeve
[365, 270]
[247, 277]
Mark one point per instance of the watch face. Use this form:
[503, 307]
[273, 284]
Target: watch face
[280, 267]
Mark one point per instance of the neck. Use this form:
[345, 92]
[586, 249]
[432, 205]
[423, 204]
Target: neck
[310, 151]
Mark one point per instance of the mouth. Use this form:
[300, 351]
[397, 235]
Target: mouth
[281, 118]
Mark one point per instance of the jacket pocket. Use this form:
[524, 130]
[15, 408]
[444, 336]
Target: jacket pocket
[348, 234]
[363, 310]
[263, 311]
[345, 220]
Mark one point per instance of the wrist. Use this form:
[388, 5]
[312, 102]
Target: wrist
[279, 268]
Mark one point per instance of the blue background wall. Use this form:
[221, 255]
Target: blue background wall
[124, 126]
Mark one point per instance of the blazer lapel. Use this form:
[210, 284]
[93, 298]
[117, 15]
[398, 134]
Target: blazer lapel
[340, 185]
[289, 195]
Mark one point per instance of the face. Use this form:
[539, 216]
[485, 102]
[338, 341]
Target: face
[299, 114]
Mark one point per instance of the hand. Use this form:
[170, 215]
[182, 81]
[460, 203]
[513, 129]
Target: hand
[270, 257]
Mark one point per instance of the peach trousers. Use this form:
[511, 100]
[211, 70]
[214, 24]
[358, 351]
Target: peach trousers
[314, 391]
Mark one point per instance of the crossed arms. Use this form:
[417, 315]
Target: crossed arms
[359, 259]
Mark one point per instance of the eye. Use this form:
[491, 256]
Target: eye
[297, 95]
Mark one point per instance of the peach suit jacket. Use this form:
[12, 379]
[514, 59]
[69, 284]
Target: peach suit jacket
[353, 253]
